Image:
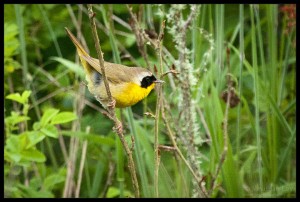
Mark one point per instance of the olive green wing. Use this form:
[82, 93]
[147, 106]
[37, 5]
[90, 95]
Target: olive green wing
[115, 73]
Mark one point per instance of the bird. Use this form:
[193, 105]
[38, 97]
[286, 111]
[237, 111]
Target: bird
[128, 85]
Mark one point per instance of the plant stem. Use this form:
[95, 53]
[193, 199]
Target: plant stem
[83, 156]
[118, 124]
[178, 151]
[158, 108]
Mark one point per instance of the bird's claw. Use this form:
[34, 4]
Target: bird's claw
[112, 104]
[118, 128]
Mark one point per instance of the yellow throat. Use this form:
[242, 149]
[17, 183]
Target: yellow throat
[131, 94]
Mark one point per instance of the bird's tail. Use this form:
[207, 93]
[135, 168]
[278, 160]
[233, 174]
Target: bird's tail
[78, 45]
[83, 55]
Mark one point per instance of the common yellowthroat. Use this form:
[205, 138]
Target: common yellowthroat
[128, 85]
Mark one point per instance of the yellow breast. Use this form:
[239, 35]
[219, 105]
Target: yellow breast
[131, 94]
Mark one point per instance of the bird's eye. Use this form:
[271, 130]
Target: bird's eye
[148, 79]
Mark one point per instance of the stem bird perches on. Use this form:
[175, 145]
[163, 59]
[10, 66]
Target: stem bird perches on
[111, 108]
[157, 112]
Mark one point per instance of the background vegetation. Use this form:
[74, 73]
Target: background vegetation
[226, 115]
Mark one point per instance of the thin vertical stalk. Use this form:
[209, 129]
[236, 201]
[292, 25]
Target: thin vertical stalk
[219, 43]
[22, 43]
[118, 124]
[148, 16]
[273, 127]
[53, 36]
[138, 155]
[120, 166]
[156, 143]
[157, 112]
[97, 179]
[260, 43]
[116, 58]
[82, 161]
[285, 65]
[238, 135]
[256, 95]
[196, 43]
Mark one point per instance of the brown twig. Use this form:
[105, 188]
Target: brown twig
[167, 148]
[170, 72]
[134, 24]
[118, 124]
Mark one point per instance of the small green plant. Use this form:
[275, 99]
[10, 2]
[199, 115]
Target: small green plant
[21, 152]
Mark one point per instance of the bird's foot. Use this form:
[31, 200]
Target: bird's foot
[118, 128]
[112, 104]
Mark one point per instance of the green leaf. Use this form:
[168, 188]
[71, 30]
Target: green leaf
[16, 97]
[11, 44]
[28, 192]
[10, 65]
[50, 131]
[15, 118]
[34, 137]
[25, 95]
[12, 156]
[52, 180]
[35, 182]
[15, 149]
[48, 115]
[279, 114]
[37, 126]
[13, 143]
[114, 192]
[77, 69]
[63, 117]
[33, 155]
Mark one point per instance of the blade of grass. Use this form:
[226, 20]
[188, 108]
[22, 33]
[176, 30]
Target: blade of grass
[52, 34]
[256, 95]
[242, 55]
[97, 179]
[272, 123]
[22, 43]
[141, 166]
[219, 9]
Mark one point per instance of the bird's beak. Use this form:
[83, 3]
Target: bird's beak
[158, 81]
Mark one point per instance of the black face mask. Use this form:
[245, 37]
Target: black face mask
[147, 81]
